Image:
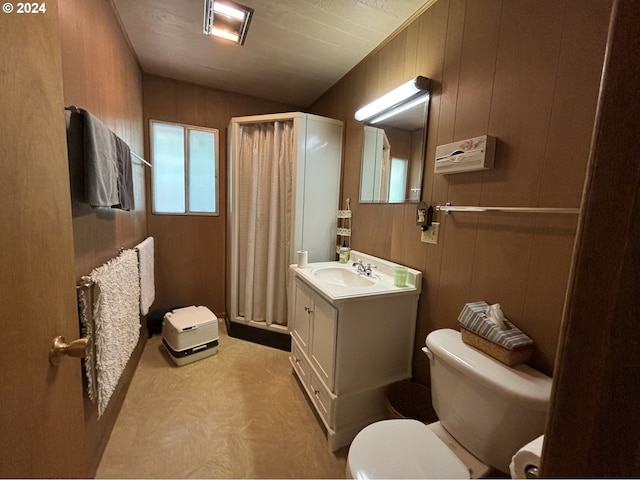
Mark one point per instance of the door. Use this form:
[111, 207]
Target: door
[323, 339]
[41, 406]
[302, 304]
[593, 429]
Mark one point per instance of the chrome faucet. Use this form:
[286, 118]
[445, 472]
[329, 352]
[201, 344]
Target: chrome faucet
[362, 268]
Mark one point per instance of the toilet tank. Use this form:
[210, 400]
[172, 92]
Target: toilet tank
[489, 408]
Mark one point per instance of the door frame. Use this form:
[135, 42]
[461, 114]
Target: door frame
[593, 428]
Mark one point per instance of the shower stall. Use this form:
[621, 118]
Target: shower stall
[284, 184]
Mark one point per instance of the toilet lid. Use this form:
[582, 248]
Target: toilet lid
[402, 449]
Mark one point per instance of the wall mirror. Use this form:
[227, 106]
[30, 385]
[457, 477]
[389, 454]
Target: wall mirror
[394, 143]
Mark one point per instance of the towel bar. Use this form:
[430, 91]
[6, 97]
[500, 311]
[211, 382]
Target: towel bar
[448, 208]
[85, 284]
[75, 109]
[141, 159]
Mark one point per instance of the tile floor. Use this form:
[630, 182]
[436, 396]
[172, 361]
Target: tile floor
[237, 414]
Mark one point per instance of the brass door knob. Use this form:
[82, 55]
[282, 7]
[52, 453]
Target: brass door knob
[59, 347]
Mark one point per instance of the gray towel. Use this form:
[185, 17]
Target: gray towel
[101, 168]
[125, 177]
[75, 146]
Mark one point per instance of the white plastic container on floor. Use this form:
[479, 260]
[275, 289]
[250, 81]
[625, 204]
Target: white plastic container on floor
[190, 334]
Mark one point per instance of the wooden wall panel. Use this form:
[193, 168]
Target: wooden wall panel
[191, 250]
[393, 59]
[550, 258]
[511, 69]
[526, 70]
[100, 74]
[561, 183]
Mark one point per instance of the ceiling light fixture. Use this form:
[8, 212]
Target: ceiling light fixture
[226, 19]
[394, 101]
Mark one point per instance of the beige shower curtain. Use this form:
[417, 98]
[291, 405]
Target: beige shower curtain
[265, 198]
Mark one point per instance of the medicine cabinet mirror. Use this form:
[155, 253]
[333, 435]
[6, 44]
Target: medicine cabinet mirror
[394, 144]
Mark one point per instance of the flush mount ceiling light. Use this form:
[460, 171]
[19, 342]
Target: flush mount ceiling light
[226, 19]
[397, 100]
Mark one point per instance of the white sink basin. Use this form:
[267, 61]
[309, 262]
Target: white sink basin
[343, 277]
[339, 282]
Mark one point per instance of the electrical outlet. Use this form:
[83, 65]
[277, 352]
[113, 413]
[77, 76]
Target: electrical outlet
[431, 234]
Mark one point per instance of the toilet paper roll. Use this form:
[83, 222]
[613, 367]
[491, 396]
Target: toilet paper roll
[302, 257]
[526, 457]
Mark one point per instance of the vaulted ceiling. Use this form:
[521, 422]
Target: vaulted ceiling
[295, 50]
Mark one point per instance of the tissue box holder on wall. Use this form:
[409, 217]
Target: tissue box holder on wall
[518, 347]
[466, 155]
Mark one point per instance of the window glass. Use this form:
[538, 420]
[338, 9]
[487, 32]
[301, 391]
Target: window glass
[202, 172]
[184, 173]
[168, 168]
[398, 180]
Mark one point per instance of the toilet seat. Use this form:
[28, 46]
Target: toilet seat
[402, 449]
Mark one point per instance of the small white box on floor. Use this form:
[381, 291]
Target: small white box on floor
[190, 334]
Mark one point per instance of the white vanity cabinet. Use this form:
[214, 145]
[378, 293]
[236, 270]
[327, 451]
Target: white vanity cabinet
[346, 351]
[315, 330]
[302, 305]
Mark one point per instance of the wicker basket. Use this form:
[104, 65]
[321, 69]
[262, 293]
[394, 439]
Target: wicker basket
[500, 353]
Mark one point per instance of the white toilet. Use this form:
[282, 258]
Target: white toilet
[487, 411]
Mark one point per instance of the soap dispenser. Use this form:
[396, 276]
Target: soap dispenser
[344, 253]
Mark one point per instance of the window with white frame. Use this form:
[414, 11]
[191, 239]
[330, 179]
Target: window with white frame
[185, 169]
[398, 180]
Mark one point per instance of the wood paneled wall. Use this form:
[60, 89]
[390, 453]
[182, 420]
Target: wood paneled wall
[101, 74]
[527, 73]
[191, 250]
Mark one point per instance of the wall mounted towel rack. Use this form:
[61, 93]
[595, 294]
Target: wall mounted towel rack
[75, 109]
[448, 208]
[141, 159]
[85, 283]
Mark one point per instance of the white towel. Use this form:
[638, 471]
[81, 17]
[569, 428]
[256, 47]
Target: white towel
[116, 297]
[147, 278]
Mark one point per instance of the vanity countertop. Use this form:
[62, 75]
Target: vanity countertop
[339, 282]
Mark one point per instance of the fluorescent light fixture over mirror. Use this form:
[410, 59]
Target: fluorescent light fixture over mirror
[395, 101]
[394, 141]
[226, 19]
[403, 107]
